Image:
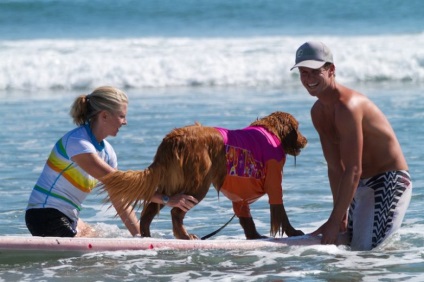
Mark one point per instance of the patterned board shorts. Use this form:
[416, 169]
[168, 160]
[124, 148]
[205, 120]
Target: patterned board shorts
[378, 208]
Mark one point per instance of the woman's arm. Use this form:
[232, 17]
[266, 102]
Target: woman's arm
[98, 168]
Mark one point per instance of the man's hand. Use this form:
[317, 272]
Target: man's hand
[329, 232]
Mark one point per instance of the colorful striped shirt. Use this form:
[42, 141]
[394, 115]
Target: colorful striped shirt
[63, 185]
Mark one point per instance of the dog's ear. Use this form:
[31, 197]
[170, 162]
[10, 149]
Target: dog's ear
[288, 132]
[289, 140]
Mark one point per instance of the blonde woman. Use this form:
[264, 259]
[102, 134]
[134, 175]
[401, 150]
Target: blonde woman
[76, 162]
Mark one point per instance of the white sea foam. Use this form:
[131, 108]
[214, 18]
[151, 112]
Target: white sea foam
[169, 62]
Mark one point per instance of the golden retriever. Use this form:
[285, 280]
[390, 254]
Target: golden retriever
[243, 164]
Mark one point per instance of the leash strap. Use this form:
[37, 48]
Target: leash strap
[216, 231]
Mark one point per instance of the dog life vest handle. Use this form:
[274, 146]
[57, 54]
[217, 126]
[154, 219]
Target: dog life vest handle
[216, 231]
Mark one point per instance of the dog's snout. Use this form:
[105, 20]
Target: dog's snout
[302, 141]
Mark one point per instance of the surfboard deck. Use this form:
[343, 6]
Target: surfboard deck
[84, 245]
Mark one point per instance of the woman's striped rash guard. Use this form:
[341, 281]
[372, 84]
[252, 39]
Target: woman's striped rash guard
[63, 185]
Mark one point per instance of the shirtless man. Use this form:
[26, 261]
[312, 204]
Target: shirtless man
[367, 171]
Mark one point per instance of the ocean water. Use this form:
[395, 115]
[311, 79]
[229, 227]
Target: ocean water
[221, 63]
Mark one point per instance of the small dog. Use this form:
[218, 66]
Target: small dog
[243, 164]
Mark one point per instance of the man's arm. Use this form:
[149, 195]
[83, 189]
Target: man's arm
[330, 149]
[344, 157]
[348, 120]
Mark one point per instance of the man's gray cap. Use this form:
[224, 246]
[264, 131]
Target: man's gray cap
[313, 54]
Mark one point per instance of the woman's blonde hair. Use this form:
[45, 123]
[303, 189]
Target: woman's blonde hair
[86, 107]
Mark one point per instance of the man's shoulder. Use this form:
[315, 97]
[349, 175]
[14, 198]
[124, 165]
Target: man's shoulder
[317, 107]
[317, 111]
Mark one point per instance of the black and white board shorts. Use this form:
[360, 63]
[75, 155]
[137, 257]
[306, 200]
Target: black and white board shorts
[378, 208]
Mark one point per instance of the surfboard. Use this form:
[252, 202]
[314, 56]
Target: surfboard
[84, 245]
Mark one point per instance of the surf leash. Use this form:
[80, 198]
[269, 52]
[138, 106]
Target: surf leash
[216, 231]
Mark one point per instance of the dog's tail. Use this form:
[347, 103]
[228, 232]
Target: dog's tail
[130, 188]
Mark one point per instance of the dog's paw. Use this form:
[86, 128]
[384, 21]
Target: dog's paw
[294, 232]
[256, 237]
[193, 237]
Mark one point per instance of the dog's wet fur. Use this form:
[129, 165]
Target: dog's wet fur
[188, 161]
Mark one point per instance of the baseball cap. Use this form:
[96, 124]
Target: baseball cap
[313, 54]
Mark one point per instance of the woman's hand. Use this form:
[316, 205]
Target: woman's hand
[182, 201]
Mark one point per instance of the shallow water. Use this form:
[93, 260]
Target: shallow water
[221, 63]
[33, 124]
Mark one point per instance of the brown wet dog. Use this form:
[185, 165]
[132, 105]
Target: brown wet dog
[191, 158]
